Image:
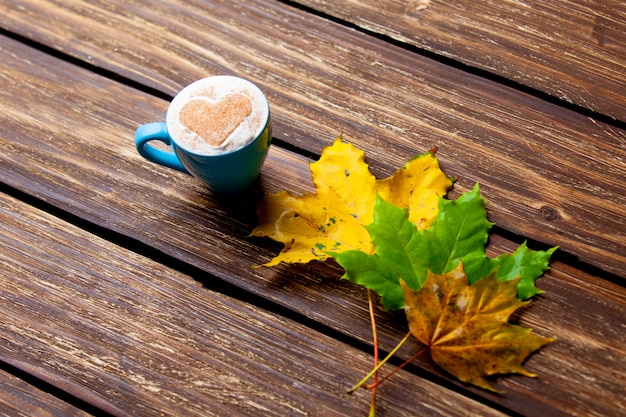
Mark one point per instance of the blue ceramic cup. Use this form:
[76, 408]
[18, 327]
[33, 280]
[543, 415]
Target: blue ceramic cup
[219, 130]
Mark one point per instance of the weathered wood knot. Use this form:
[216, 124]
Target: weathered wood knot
[549, 213]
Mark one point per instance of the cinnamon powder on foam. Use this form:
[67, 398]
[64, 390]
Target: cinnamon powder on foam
[214, 122]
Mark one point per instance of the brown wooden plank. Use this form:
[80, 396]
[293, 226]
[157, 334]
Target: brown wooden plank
[75, 152]
[588, 319]
[572, 49]
[133, 337]
[550, 174]
[21, 399]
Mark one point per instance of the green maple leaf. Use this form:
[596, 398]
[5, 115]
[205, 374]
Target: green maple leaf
[458, 234]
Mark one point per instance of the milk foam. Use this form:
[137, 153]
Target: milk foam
[219, 107]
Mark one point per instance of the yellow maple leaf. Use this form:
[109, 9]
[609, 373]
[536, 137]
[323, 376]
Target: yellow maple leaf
[466, 327]
[333, 218]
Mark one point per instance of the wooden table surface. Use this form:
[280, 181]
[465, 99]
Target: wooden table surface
[126, 288]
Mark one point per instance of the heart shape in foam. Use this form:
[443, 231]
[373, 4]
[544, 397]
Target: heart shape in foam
[214, 121]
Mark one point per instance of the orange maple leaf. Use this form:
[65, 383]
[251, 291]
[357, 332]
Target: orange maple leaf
[466, 327]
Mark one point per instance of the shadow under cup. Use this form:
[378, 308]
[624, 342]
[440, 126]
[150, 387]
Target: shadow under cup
[229, 172]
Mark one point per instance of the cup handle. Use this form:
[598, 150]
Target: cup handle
[157, 131]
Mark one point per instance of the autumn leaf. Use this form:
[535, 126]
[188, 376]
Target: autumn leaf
[332, 219]
[466, 326]
[399, 254]
[459, 233]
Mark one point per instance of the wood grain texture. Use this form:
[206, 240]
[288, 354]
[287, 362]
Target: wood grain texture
[133, 337]
[21, 399]
[571, 49]
[549, 174]
[76, 153]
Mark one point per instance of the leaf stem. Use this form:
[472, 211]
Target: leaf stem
[373, 385]
[373, 371]
[372, 412]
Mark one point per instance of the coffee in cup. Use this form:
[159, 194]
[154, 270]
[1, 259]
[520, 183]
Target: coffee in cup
[217, 115]
[219, 129]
